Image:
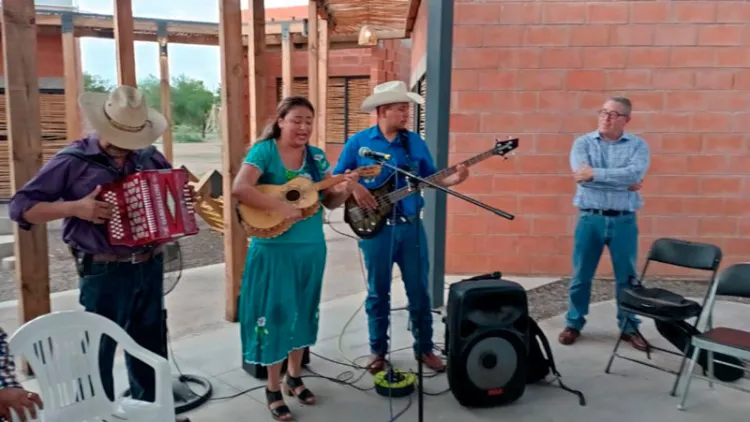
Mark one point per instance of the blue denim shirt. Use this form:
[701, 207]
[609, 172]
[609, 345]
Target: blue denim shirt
[617, 165]
[418, 161]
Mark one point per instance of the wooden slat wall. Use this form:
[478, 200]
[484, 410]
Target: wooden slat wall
[54, 136]
[359, 89]
[340, 124]
[336, 112]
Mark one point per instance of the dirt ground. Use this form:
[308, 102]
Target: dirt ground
[198, 157]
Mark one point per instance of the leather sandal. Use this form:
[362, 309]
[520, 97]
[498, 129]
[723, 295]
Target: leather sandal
[304, 396]
[281, 412]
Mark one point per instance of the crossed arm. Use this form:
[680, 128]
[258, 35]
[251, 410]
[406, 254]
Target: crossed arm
[613, 179]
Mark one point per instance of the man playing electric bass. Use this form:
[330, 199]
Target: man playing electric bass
[397, 241]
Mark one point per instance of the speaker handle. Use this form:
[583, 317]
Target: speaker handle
[492, 276]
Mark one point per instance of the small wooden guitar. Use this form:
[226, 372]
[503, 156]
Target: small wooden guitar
[367, 223]
[300, 192]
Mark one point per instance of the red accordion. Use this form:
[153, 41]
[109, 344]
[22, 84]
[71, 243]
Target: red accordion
[151, 206]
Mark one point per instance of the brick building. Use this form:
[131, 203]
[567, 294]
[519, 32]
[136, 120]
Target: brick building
[540, 69]
[352, 75]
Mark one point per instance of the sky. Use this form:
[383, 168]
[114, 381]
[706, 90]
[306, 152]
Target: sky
[196, 61]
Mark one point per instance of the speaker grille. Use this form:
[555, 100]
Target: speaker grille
[491, 363]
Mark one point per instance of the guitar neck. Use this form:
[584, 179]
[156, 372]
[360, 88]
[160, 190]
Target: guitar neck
[401, 193]
[442, 174]
[327, 183]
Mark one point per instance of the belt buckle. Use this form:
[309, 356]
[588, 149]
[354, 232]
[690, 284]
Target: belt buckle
[133, 258]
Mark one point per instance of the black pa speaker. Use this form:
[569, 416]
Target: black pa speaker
[487, 341]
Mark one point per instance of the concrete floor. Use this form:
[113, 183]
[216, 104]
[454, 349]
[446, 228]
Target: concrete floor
[620, 396]
[214, 352]
[205, 344]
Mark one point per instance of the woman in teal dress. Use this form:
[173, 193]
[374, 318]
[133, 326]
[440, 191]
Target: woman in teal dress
[283, 276]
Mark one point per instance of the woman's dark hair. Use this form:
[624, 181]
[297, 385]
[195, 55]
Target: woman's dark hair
[273, 131]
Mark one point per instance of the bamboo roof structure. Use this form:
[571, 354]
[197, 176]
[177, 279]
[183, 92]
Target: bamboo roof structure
[391, 19]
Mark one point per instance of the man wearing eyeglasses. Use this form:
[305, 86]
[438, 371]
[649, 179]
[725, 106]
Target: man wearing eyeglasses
[608, 167]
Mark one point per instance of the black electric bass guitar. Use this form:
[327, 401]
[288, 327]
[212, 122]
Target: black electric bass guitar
[367, 223]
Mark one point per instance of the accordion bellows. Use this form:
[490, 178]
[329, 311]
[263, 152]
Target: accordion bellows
[151, 206]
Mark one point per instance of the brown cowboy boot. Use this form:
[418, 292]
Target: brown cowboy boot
[376, 364]
[433, 362]
[637, 341]
[568, 336]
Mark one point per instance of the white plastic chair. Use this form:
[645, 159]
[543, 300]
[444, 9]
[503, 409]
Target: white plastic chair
[62, 349]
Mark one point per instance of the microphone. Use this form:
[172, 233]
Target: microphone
[368, 153]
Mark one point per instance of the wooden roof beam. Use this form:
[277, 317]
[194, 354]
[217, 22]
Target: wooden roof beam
[96, 21]
[273, 41]
[411, 16]
[324, 11]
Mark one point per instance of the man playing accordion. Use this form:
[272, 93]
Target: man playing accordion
[121, 283]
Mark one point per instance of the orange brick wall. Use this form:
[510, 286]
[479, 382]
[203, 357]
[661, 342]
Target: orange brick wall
[390, 61]
[49, 56]
[419, 37]
[540, 69]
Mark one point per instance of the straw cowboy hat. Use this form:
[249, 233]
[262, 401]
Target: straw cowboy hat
[390, 93]
[122, 117]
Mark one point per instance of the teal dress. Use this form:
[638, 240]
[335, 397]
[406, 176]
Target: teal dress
[281, 285]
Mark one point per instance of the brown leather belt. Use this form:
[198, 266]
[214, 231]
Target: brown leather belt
[135, 258]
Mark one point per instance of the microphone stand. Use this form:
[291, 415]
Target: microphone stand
[416, 183]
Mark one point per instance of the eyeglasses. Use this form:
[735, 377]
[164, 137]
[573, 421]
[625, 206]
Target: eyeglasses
[610, 114]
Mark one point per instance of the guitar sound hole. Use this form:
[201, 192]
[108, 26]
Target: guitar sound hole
[292, 195]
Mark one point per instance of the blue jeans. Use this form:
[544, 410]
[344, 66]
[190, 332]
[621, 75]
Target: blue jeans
[132, 296]
[406, 245]
[593, 232]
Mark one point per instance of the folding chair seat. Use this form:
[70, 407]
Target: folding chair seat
[669, 311]
[731, 345]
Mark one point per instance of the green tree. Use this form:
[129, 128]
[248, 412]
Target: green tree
[191, 101]
[95, 83]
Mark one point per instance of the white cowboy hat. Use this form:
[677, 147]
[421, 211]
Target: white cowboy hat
[390, 93]
[122, 117]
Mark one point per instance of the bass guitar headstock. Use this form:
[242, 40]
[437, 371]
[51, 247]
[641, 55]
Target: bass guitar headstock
[503, 147]
[368, 172]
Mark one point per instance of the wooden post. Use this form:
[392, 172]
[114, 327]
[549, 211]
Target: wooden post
[25, 142]
[71, 72]
[286, 60]
[312, 60]
[79, 64]
[256, 56]
[233, 148]
[166, 95]
[323, 84]
[124, 42]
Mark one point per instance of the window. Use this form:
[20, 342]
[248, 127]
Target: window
[345, 96]
[420, 115]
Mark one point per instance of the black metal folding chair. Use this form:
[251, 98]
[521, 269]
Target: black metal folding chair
[656, 304]
[723, 341]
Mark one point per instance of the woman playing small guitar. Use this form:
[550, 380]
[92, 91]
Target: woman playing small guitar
[283, 276]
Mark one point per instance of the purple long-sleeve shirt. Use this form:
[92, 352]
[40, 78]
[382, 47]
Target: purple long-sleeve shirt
[69, 178]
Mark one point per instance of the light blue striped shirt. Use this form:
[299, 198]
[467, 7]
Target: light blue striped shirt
[616, 165]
